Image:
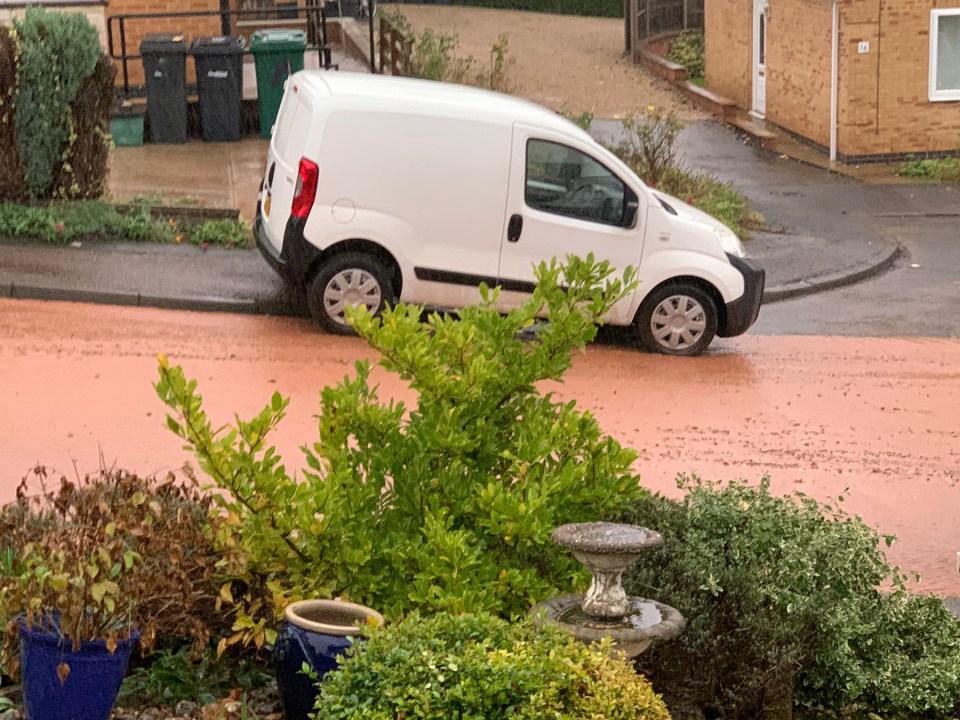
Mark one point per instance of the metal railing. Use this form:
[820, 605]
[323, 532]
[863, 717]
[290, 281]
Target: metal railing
[659, 16]
[315, 17]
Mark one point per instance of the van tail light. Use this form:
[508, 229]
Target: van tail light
[305, 191]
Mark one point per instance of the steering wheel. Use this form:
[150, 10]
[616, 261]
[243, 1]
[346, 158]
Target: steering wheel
[583, 192]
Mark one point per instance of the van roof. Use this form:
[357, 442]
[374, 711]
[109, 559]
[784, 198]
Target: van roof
[471, 101]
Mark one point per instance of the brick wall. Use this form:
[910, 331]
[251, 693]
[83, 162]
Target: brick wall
[798, 67]
[136, 29]
[884, 105]
[883, 101]
[729, 43]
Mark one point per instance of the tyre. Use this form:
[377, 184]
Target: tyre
[676, 319]
[351, 278]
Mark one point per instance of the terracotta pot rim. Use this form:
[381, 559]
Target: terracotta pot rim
[362, 612]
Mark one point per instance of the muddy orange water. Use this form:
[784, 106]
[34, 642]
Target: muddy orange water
[875, 419]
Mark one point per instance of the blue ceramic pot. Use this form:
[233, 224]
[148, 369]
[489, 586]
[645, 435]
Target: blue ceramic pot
[90, 688]
[315, 632]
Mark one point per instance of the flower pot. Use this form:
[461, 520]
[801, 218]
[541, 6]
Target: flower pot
[89, 689]
[315, 632]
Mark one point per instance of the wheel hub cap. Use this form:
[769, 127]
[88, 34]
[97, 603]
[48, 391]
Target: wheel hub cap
[678, 322]
[351, 287]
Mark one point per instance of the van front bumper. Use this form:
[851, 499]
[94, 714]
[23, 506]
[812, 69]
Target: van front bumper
[742, 312]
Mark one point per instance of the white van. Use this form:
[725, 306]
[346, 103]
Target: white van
[381, 189]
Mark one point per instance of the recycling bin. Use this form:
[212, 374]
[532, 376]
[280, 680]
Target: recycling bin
[277, 55]
[165, 69]
[219, 65]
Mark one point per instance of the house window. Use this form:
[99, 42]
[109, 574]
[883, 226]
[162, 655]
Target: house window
[945, 54]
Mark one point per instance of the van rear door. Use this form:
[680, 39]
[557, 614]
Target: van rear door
[563, 201]
[287, 145]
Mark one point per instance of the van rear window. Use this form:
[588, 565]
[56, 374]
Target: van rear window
[291, 130]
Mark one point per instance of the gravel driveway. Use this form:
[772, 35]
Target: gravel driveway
[561, 61]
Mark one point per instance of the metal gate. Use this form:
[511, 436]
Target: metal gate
[659, 16]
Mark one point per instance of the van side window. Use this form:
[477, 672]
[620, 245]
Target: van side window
[564, 181]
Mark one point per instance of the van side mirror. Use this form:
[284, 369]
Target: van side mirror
[630, 208]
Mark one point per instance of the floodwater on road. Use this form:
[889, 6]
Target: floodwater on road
[874, 419]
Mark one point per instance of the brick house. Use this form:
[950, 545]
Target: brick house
[866, 79]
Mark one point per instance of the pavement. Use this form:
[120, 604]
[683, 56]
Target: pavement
[825, 230]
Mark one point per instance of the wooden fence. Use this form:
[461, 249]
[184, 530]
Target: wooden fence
[395, 49]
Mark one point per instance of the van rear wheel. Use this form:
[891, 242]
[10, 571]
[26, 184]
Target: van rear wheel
[676, 319]
[351, 278]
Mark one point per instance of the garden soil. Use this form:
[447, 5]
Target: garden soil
[567, 63]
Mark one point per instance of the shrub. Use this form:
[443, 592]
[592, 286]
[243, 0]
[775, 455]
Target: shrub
[445, 505]
[57, 52]
[172, 675]
[478, 666]
[720, 199]
[84, 171]
[649, 146]
[944, 169]
[11, 174]
[61, 222]
[687, 49]
[434, 57]
[109, 553]
[782, 599]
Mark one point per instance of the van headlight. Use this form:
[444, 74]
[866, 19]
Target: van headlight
[730, 242]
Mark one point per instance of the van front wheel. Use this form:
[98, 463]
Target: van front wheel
[676, 319]
[351, 278]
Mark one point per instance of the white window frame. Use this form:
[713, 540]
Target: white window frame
[939, 95]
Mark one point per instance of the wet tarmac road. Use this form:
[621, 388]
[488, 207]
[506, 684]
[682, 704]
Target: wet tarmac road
[874, 419]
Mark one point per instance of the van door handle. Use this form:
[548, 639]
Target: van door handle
[514, 228]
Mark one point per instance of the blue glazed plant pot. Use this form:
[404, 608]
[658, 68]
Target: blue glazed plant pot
[89, 689]
[315, 632]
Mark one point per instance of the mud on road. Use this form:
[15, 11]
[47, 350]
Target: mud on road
[873, 419]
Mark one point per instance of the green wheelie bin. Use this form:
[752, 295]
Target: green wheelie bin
[277, 54]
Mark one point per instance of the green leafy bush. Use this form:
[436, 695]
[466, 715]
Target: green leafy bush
[478, 666]
[222, 233]
[447, 504]
[720, 199]
[649, 146]
[687, 49]
[944, 169]
[57, 52]
[62, 222]
[172, 675]
[783, 600]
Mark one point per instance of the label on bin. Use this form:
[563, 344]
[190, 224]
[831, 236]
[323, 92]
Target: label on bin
[218, 74]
